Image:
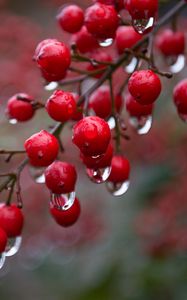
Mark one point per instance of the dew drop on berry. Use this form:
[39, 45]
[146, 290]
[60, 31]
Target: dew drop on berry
[99, 175]
[143, 26]
[142, 124]
[13, 246]
[130, 68]
[111, 123]
[37, 174]
[51, 86]
[176, 64]
[118, 189]
[2, 260]
[62, 201]
[106, 42]
[13, 121]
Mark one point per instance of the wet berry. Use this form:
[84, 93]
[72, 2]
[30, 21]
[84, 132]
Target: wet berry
[135, 109]
[171, 43]
[120, 169]
[11, 220]
[126, 37]
[71, 18]
[84, 41]
[180, 96]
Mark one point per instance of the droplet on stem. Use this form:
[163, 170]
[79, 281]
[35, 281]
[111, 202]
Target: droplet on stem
[37, 174]
[130, 68]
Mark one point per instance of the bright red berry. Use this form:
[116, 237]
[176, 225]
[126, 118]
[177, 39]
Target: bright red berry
[61, 106]
[60, 177]
[71, 18]
[41, 45]
[84, 41]
[50, 77]
[78, 113]
[144, 86]
[92, 136]
[118, 4]
[67, 217]
[101, 103]
[53, 58]
[142, 9]
[180, 96]
[99, 56]
[101, 21]
[135, 109]
[126, 37]
[20, 107]
[120, 169]
[42, 148]
[171, 43]
[11, 220]
[3, 240]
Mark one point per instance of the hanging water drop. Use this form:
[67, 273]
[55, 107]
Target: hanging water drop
[13, 246]
[111, 123]
[142, 124]
[62, 201]
[106, 42]
[143, 26]
[2, 260]
[51, 86]
[130, 68]
[13, 121]
[118, 189]
[37, 174]
[177, 64]
[99, 175]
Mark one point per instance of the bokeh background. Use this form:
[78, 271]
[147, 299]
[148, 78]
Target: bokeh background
[132, 247]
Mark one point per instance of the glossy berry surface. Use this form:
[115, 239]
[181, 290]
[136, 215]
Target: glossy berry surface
[53, 58]
[92, 136]
[135, 109]
[101, 21]
[42, 148]
[20, 107]
[142, 9]
[60, 177]
[180, 96]
[11, 220]
[118, 4]
[3, 240]
[61, 106]
[67, 217]
[126, 37]
[71, 18]
[100, 56]
[144, 86]
[120, 169]
[84, 41]
[101, 103]
[171, 43]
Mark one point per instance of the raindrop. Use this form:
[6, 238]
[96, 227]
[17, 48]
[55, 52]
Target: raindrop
[51, 86]
[131, 66]
[2, 259]
[142, 124]
[99, 175]
[143, 26]
[13, 246]
[13, 121]
[118, 189]
[177, 64]
[62, 201]
[37, 174]
[111, 123]
[106, 42]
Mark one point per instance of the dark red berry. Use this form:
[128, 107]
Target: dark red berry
[92, 136]
[142, 9]
[3, 240]
[99, 56]
[60, 177]
[120, 169]
[71, 18]
[126, 37]
[84, 41]
[42, 148]
[180, 96]
[135, 109]
[50, 77]
[11, 220]
[171, 43]
[118, 4]
[41, 45]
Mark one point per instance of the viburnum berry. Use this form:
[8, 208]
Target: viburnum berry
[171, 43]
[61, 106]
[84, 41]
[120, 169]
[71, 18]
[118, 4]
[100, 56]
[77, 115]
[126, 37]
[92, 136]
[144, 86]
[180, 96]
[101, 21]
[53, 58]
[11, 220]
[142, 9]
[41, 45]
[42, 148]
[101, 103]
[60, 177]
[3, 240]
[20, 107]
[67, 217]
[135, 109]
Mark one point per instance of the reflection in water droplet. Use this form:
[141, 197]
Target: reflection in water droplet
[143, 25]
[62, 201]
[37, 174]
[13, 246]
[131, 66]
[51, 86]
[106, 43]
[13, 121]
[111, 123]
[118, 189]
[142, 124]
[178, 64]
[100, 175]
[2, 260]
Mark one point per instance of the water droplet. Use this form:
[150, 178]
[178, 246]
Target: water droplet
[2, 260]
[142, 124]
[13, 246]
[111, 123]
[37, 174]
[131, 66]
[62, 201]
[13, 121]
[118, 189]
[177, 64]
[99, 175]
[143, 26]
[51, 86]
[106, 42]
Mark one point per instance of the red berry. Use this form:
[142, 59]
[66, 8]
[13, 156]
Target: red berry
[101, 21]
[99, 162]
[171, 43]
[142, 9]
[3, 240]
[100, 56]
[84, 41]
[101, 103]
[61, 106]
[92, 136]
[53, 58]
[135, 109]
[71, 18]
[60, 177]
[78, 113]
[42, 148]
[50, 77]
[118, 4]
[11, 220]
[180, 96]
[120, 169]
[126, 37]
[42, 44]
[20, 107]
[144, 86]
[67, 217]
